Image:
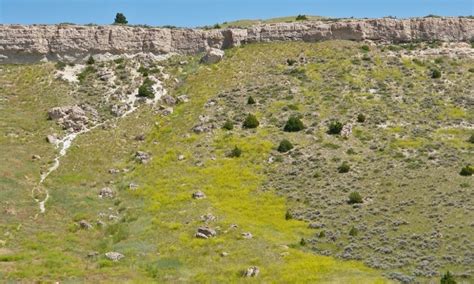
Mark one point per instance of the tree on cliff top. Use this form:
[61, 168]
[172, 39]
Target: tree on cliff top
[120, 19]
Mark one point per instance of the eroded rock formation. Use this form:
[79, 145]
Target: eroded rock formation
[27, 43]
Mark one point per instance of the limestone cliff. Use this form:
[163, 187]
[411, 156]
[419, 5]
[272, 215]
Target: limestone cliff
[27, 43]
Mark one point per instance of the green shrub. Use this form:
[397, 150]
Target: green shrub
[251, 121]
[365, 48]
[285, 146]
[288, 215]
[235, 153]
[87, 71]
[120, 19]
[335, 127]
[321, 235]
[361, 118]
[90, 60]
[467, 170]
[471, 139]
[217, 26]
[302, 242]
[448, 278]
[60, 65]
[355, 197]
[228, 125]
[353, 232]
[435, 74]
[471, 70]
[301, 18]
[344, 168]
[144, 71]
[250, 101]
[294, 124]
[290, 62]
[146, 89]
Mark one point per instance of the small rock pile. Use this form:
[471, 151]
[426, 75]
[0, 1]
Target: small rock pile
[72, 118]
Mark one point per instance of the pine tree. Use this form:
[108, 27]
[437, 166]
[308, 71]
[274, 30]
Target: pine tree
[120, 19]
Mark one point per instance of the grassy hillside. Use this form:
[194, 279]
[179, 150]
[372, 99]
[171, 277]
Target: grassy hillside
[404, 160]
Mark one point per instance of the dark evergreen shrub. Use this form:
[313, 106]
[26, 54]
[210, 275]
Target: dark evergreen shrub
[448, 278]
[435, 74]
[471, 139]
[228, 125]
[251, 121]
[90, 60]
[467, 171]
[301, 18]
[353, 232]
[344, 168]
[250, 101]
[294, 124]
[335, 127]
[285, 146]
[120, 19]
[235, 153]
[146, 89]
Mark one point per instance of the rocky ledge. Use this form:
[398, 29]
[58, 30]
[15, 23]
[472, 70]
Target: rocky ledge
[30, 43]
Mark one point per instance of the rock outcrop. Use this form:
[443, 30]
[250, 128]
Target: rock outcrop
[29, 43]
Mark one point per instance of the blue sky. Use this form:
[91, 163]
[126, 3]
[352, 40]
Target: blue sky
[192, 13]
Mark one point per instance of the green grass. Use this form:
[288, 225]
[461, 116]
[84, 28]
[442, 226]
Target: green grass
[156, 223]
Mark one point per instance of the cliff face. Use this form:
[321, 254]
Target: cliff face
[19, 43]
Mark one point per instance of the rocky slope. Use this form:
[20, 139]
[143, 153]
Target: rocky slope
[19, 43]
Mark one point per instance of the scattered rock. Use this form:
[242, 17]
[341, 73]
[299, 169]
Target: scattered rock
[224, 254]
[140, 137]
[114, 171]
[247, 235]
[114, 256]
[183, 99]
[208, 218]
[201, 128]
[133, 186]
[205, 233]
[169, 100]
[36, 157]
[252, 271]
[106, 192]
[142, 157]
[167, 111]
[93, 254]
[70, 117]
[83, 224]
[346, 130]
[212, 56]
[52, 139]
[199, 195]
[181, 158]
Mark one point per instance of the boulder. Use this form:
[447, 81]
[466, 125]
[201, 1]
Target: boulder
[52, 139]
[199, 195]
[205, 232]
[142, 157]
[183, 99]
[169, 100]
[252, 271]
[106, 192]
[212, 56]
[83, 224]
[247, 235]
[133, 186]
[114, 256]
